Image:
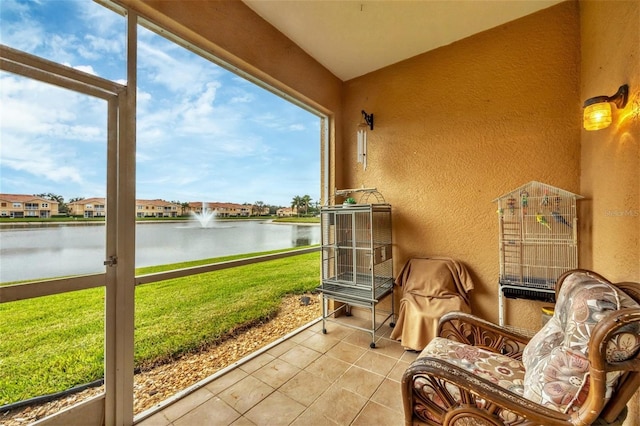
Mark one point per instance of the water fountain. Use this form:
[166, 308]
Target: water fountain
[205, 217]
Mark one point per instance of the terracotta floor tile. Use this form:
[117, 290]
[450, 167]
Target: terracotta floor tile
[389, 348]
[309, 379]
[409, 356]
[339, 405]
[313, 417]
[246, 393]
[276, 409]
[243, 421]
[360, 381]
[158, 419]
[305, 387]
[320, 342]
[223, 382]
[186, 404]
[376, 415]
[281, 348]
[398, 370]
[360, 338]
[276, 373]
[213, 412]
[378, 363]
[337, 331]
[384, 331]
[346, 352]
[389, 394]
[300, 356]
[316, 328]
[328, 368]
[257, 363]
[303, 335]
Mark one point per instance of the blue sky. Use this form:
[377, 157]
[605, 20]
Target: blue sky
[204, 134]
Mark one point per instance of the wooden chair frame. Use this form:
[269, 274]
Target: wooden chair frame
[482, 402]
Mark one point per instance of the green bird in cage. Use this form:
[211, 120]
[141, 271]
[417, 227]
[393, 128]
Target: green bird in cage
[542, 220]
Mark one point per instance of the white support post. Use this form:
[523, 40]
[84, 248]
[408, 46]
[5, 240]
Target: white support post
[120, 297]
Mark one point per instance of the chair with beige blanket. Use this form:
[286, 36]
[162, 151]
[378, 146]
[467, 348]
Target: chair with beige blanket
[431, 287]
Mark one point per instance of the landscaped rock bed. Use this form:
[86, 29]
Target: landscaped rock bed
[158, 383]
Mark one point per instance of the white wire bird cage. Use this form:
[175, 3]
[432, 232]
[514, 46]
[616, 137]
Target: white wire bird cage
[538, 239]
[357, 196]
[357, 257]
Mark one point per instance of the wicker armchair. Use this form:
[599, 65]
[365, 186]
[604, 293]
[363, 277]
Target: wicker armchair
[581, 368]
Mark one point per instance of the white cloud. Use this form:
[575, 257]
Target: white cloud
[86, 68]
[202, 133]
[36, 158]
[44, 129]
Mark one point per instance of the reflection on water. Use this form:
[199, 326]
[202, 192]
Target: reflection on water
[34, 252]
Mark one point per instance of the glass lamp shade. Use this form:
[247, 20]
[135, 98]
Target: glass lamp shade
[597, 116]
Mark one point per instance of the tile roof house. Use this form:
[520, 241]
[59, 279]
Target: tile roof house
[19, 206]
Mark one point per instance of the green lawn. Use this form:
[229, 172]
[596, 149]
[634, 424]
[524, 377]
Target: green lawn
[302, 219]
[52, 343]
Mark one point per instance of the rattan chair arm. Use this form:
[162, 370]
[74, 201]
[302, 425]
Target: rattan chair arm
[475, 393]
[599, 366]
[475, 331]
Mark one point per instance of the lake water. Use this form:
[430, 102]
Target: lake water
[36, 252]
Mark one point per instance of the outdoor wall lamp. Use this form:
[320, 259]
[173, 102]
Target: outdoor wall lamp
[367, 122]
[597, 110]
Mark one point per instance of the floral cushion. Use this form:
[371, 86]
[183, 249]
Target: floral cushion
[498, 369]
[556, 358]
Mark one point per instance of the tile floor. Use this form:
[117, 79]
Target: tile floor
[309, 379]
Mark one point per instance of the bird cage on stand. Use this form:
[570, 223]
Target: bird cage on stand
[357, 263]
[538, 239]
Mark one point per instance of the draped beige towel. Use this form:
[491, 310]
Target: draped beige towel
[431, 287]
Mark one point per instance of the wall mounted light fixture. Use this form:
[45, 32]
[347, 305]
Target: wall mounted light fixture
[367, 122]
[597, 110]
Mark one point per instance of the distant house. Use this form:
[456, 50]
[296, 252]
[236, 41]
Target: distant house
[287, 212]
[96, 207]
[90, 207]
[223, 209]
[20, 206]
[156, 208]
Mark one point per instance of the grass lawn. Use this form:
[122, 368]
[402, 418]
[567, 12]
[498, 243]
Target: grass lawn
[294, 219]
[56, 342]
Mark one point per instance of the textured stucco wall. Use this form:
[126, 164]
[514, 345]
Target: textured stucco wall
[611, 157]
[459, 126]
[610, 38]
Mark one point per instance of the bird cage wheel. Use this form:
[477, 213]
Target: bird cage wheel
[324, 331]
[392, 324]
[372, 345]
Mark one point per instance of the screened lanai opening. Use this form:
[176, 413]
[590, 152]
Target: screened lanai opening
[207, 139]
[54, 141]
[57, 121]
[227, 153]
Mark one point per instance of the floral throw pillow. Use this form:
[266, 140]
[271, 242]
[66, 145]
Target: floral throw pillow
[556, 358]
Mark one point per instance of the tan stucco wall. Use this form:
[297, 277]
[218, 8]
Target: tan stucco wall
[611, 157]
[610, 178]
[457, 127]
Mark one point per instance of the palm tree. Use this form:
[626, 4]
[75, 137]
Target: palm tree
[296, 203]
[306, 199]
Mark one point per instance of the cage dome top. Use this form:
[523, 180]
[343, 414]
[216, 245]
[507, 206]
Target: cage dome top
[535, 188]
